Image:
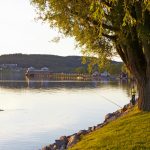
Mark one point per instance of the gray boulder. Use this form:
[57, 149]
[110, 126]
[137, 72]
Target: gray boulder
[109, 115]
[73, 140]
[60, 143]
[46, 148]
[82, 132]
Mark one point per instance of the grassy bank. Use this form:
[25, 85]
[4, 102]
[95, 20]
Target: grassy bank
[130, 132]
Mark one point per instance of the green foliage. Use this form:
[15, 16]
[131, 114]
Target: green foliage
[131, 132]
[99, 27]
[83, 24]
[114, 68]
[104, 28]
[68, 64]
[81, 70]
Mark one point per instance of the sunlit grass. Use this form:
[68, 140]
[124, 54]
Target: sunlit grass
[131, 132]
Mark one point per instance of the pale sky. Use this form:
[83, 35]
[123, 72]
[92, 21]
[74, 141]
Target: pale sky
[19, 33]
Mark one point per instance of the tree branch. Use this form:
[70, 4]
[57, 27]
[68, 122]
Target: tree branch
[93, 21]
[106, 3]
[122, 54]
[109, 27]
[111, 37]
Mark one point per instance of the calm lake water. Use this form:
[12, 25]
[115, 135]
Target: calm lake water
[37, 113]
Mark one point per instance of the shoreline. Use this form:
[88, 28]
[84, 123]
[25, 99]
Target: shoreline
[65, 142]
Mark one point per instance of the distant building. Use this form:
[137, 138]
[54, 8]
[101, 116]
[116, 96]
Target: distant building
[105, 74]
[44, 69]
[96, 74]
[123, 76]
[37, 70]
[31, 69]
[10, 66]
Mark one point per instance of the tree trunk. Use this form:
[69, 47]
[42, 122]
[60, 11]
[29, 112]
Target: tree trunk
[144, 95]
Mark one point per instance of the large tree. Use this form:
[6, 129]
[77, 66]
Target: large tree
[104, 27]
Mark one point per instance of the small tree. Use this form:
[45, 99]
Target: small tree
[104, 27]
[81, 70]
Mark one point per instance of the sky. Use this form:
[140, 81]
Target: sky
[20, 33]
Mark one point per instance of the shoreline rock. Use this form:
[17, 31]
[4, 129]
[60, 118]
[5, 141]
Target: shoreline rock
[65, 142]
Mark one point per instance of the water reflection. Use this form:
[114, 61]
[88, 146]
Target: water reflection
[46, 84]
[126, 86]
[38, 112]
[34, 117]
[16, 79]
[26, 83]
[37, 84]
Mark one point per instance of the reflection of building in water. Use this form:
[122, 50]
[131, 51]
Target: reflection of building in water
[30, 83]
[33, 83]
[125, 85]
[12, 84]
[44, 83]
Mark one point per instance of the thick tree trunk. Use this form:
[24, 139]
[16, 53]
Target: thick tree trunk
[144, 96]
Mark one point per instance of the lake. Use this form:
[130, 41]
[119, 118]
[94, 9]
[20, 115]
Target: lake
[38, 112]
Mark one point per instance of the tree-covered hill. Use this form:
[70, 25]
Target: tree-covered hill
[55, 63]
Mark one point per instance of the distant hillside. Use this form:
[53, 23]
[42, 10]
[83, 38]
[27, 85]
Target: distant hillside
[53, 62]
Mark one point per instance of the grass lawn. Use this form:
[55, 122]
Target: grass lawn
[130, 132]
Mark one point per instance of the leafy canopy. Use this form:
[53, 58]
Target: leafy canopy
[100, 27]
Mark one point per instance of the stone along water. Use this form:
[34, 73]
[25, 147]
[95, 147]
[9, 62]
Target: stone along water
[38, 112]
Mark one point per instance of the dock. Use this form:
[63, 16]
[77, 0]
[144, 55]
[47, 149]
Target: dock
[38, 74]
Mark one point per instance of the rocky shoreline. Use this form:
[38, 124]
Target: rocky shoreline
[65, 142]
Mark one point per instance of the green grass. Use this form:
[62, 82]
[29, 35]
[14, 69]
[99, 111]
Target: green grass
[130, 132]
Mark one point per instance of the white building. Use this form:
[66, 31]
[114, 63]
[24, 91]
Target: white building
[44, 69]
[105, 74]
[10, 66]
[30, 69]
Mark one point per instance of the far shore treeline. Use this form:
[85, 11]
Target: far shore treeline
[68, 64]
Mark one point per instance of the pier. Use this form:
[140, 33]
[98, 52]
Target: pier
[38, 74]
